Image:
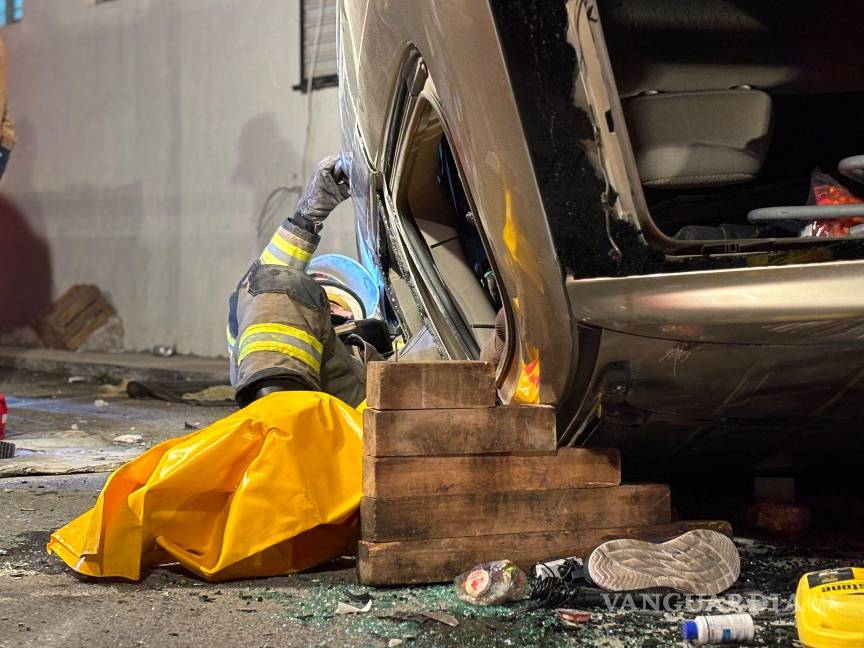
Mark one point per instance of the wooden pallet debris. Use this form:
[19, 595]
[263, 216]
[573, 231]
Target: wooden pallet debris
[74, 317]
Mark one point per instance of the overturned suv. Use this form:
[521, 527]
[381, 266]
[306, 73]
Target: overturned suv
[616, 192]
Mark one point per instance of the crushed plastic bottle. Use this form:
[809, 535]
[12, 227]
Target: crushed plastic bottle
[723, 628]
[492, 583]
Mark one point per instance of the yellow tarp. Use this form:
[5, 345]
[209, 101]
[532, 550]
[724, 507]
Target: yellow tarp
[271, 489]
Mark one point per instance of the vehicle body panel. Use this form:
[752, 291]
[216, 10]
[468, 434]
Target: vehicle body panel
[691, 407]
[698, 360]
[478, 106]
[801, 305]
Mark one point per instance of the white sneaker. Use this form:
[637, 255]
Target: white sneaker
[698, 562]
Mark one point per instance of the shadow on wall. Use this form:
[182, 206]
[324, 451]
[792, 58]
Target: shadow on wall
[267, 161]
[25, 260]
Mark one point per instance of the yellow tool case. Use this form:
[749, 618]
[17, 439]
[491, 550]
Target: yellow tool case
[829, 608]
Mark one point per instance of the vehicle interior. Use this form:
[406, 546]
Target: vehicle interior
[731, 105]
[436, 212]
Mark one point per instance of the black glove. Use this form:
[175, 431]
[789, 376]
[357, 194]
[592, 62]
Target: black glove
[326, 189]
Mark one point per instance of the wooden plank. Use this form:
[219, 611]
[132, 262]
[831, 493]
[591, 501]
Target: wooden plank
[430, 385]
[425, 476]
[510, 429]
[454, 516]
[441, 560]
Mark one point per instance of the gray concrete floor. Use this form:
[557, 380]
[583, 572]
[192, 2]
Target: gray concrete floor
[42, 603]
[60, 426]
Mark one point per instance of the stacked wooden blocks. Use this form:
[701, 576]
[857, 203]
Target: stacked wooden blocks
[451, 480]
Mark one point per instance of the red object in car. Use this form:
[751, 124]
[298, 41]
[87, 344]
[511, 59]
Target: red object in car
[3, 411]
[827, 191]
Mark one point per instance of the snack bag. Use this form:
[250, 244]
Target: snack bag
[825, 190]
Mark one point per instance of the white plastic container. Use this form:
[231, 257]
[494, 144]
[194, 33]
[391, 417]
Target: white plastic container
[724, 628]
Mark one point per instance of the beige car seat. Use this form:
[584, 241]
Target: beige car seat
[699, 139]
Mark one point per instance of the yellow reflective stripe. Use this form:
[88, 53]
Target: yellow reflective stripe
[231, 338]
[283, 329]
[268, 259]
[290, 249]
[284, 349]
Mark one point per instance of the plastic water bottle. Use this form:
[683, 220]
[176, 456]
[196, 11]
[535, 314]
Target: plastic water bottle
[724, 628]
[492, 583]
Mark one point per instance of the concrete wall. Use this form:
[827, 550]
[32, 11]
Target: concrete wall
[150, 133]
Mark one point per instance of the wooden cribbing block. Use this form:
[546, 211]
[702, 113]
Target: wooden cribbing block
[441, 560]
[508, 429]
[454, 516]
[427, 476]
[430, 385]
[74, 317]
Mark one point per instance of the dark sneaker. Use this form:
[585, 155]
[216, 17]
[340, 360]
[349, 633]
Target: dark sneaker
[566, 569]
[698, 562]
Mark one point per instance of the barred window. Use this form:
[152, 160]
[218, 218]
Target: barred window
[319, 21]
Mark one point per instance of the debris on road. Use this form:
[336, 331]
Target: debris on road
[347, 608]
[214, 394]
[492, 583]
[113, 391]
[441, 617]
[75, 379]
[359, 597]
[574, 618]
[192, 392]
[100, 403]
[723, 628]
[74, 317]
[127, 438]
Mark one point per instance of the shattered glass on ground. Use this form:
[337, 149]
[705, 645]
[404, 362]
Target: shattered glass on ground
[770, 573]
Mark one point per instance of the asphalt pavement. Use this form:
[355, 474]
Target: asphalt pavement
[43, 603]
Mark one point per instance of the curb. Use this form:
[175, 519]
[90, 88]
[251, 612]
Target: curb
[113, 366]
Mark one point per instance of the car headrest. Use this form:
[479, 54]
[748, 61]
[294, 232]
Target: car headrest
[699, 139]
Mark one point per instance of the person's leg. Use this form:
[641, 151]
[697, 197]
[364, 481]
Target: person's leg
[280, 335]
[283, 321]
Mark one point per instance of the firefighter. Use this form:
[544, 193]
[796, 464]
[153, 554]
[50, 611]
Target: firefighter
[280, 319]
[280, 334]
